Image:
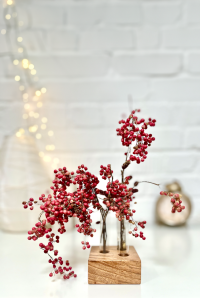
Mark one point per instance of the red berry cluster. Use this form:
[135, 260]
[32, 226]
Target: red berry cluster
[133, 130]
[175, 200]
[106, 172]
[61, 269]
[85, 245]
[62, 204]
[29, 203]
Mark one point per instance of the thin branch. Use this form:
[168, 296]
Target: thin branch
[149, 182]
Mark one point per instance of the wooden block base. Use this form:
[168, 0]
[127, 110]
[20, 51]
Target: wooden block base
[110, 268]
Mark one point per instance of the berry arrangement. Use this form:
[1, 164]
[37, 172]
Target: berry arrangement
[61, 205]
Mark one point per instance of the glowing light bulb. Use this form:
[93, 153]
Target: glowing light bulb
[37, 93]
[41, 154]
[9, 2]
[50, 133]
[44, 120]
[47, 158]
[38, 136]
[21, 130]
[8, 17]
[31, 114]
[20, 50]
[43, 90]
[31, 66]
[33, 128]
[25, 116]
[36, 115]
[33, 72]
[25, 63]
[43, 126]
[18, 134]
[16, 62]
[26, 106]
[17, 78]
[3, 31]
[21, 88]
[19, 39]
[39, 104]
[50, 147]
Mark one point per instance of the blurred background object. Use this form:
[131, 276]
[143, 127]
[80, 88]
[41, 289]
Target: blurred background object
[163, 206]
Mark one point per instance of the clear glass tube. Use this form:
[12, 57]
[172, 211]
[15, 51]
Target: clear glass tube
[103, 248]
[122, 237]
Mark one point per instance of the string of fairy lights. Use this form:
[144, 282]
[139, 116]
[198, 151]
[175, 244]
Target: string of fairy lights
[31, 91]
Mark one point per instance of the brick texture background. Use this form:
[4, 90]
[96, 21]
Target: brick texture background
[94, 55]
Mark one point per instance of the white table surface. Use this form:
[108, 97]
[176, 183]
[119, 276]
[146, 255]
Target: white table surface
[170, 267]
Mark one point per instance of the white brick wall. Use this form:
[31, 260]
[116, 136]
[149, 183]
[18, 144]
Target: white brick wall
[91, 56]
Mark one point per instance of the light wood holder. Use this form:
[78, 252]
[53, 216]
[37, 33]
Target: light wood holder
[110, 268]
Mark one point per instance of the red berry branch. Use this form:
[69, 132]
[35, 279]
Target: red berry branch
[175, 200]
[62, 204]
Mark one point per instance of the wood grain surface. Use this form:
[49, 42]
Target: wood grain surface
[110, 268]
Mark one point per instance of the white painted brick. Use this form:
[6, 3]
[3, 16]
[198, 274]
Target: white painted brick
[86, 115]
[63, 39]
[193, 64]
[147, 38]
[184, 89]
[186, 114]
[80, 140]
[192, 138]
[58, 115]
[3, 44]
[84, 14]
[9, 90]
[10, 117]
[73, 65]
[179, 162]
[161, 13]
[71, 115]
[2, 71]
[193, 11]
[123, 13]
[190, 184]
[108, 38]
[97, 90]
[167, 138]
[155, 64]
[23, 16]
[1, 14]
[43, 16]
[184, 37]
